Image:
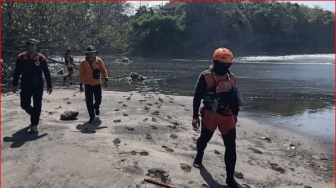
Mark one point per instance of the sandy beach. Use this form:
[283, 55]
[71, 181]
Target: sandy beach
[141, 139]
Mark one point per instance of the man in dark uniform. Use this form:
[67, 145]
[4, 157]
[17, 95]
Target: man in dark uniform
[30, 65]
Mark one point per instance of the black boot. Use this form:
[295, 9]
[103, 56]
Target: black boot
[198, 160]
[232, 183]
[201, 144]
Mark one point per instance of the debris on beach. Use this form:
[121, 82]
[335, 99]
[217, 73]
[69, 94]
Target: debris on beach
[135, 77]
[324, 168]
[290, 146]
[319, 158]
[69, 114]
[156, 183]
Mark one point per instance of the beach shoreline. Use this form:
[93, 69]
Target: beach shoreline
[139, 132]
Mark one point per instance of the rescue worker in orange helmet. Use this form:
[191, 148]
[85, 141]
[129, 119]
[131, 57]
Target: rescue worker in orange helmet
[216, 86]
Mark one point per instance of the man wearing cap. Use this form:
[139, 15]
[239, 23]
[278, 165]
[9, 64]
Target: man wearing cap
[69, 63]
[30, 65]
[89, 75]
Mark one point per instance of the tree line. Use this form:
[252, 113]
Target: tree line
[179, 30]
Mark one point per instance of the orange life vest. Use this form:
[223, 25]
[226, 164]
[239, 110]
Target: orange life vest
[218, 92]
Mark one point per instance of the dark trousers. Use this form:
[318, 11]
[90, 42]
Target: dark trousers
[230, 155]
[34, 111]
[90, 93]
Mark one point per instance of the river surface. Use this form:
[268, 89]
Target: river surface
[295, 92]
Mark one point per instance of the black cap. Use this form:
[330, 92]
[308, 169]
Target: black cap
[31, 41]
[91, 49]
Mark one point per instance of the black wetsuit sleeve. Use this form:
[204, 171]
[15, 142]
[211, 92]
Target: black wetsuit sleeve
[198, 95]
[46, 73]
[17, 72]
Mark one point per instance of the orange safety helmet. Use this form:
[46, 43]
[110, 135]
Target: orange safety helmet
[223, 55]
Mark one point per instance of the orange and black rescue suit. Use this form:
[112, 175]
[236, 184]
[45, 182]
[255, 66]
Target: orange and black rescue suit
[220, 107]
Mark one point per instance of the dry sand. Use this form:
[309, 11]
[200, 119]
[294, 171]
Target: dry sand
[141, 135]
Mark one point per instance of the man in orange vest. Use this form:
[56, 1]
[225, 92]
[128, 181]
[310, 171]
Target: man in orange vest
[89, 75]
[216, 86]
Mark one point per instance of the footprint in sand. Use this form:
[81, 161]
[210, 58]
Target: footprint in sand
[142, 100]
[154, 127]
[153, 119]
[143, 153]
[169, 117]
[159, 106]
[120, 102]
[156, 113]
[217, 152]
[116, 110]
[205, 186]
[160, 100]
[128, 98]
[130, 128]
[124, 114]
[168, 149]
[256, 151]
[193, 147]
[146, 108]
[276, 167]
[174, 136]
[171, 101]
[58, 107]
[185, 167]
[186, 109]
[116, 141]
[156, 103]
[182, 105]
[50, 113]
[149, 104]
[148, 136]
[117, 121]
[144, 120]
[239, 175]
[172, 127]
[68, 102]
[124, 105]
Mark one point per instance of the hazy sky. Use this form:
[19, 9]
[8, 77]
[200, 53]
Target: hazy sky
[328, 5]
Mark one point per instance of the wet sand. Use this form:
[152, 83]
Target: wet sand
[143, 137]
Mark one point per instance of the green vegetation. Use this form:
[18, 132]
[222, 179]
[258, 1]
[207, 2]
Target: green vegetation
[180, 30]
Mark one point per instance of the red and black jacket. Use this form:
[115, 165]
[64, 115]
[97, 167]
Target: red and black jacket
[30, 69]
